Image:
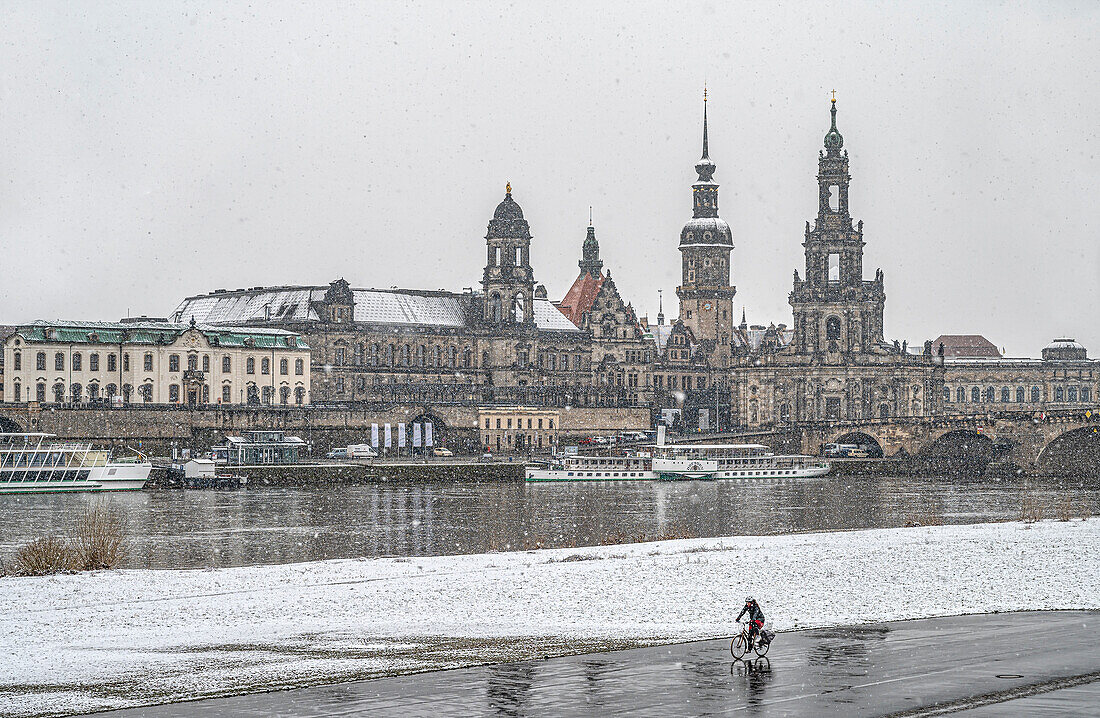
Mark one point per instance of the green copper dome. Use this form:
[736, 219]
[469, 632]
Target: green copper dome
[833, 139]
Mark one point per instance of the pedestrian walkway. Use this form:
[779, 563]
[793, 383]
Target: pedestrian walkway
[1020, 664]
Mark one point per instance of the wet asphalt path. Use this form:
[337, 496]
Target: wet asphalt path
[1020, 664]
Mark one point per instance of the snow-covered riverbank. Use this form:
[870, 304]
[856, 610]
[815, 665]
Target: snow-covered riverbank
[114, 639]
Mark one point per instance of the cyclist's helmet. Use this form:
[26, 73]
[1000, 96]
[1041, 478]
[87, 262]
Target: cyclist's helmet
[750, 599]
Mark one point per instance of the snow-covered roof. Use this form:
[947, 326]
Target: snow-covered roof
[372, 306]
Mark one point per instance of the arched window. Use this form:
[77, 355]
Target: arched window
[467, 358]
[390, 353]
[59, 392]
[960, 395]
[93, 391]
[227, 364]
[110, 391]
[406, 355]
[17, 361]
[268, 394]
[976, 395]
[206, 363]
[1071, 394]
[265, 366]
[1059, 394]
[205, 393]
[250, 365]
[127, 392]
[453, 358]
[18, 391]
[112, 362]
[884, 411]
[147, 362]
[373, 356]
[59, 361]
[784, 413]
[253, 394]
[284, 367]
[173, 363]
[227, 393]
[1086, 395]
[192, 362]
[146, 392]
[40, 361]
[40, 392]
[299, 395]
[299, 367]
[284, 395]
[78, 365]
[947, 393]
[1036, 395]
[832, 329]
[358, 351]
[990, 394]
[519, 307]
[420, 352]
[495, 309]
[485, 360]
[1006, 394]
[1019, 395]
[438, 353]
[173, 393]
[76, 391]
[93, 362]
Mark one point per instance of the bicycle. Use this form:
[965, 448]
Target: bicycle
[740, 645]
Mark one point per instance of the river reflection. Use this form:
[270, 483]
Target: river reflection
[196, 529]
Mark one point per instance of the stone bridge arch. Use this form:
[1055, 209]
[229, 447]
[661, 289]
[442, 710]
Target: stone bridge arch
[10, 426]
[1074, 452]
[870, 444]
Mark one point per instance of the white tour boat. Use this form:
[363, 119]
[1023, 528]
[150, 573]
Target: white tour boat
[732, 461]
[39, 463]
[679, 462]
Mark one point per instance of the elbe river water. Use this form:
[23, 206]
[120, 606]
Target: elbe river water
[198, 529]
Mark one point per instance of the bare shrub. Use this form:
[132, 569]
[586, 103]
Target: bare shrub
[43, 557]
[99, 538]
[1030, 508]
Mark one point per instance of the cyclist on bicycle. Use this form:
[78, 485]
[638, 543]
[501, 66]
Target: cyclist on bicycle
[756, 618]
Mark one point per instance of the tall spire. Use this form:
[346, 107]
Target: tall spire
[660, 307]
[706, 153]
[591, 263]
[704, 166]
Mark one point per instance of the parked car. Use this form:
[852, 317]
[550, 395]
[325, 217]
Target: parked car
[361, 451]
[442, 451]
[337, 454]
[487, 456]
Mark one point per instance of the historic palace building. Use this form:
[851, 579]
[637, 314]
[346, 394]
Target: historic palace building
[524, 360]
[118, 363]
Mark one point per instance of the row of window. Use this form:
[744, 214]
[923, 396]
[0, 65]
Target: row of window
[519, 423]
[676, 383]
[145, 392]
[406, 355]
[1006, 394]
[77, 363]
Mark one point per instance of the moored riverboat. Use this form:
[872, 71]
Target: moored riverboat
[40, 463]
[681, 462]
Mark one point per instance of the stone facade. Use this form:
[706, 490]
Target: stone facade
[155, 363]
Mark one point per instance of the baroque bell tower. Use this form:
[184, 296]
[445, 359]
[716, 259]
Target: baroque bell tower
[509, 281]
[706, 296]
[837, 313]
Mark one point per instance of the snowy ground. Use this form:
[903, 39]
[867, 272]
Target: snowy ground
[114, 639]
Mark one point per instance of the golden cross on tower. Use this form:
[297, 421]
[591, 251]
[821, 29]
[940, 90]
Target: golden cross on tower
[704, 93]
[834, 95]
[508, 188]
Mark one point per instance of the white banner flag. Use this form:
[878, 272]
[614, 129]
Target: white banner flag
[401, 435]
[427, 433]
[374, 435]
[416, 436]
[389, 437]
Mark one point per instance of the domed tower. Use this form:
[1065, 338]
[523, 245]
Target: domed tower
[706, 296]
[590, 263]
[836, 312]
[509, 281]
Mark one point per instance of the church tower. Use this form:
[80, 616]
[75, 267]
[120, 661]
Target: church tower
[837, 313]
[706, 297]
[509, 281]
[590, 263]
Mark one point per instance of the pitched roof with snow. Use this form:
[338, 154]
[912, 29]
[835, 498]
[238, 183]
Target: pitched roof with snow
[969, 346]
[401, 307]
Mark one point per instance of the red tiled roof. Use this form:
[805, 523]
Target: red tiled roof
[580, 297]
[968, 346]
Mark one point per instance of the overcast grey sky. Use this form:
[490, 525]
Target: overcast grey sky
[157, 150]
